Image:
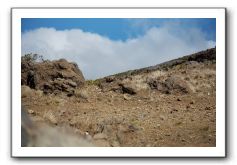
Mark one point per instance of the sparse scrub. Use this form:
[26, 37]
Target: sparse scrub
[156, 74]
[137, 82]
[26, 91]
[92, 82]
[32, 58]
[49, 115]
[81, 93]
[144, 107]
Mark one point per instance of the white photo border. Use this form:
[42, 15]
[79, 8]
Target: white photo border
[116, 12]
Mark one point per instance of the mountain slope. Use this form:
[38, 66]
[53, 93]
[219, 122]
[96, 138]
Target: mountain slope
[171, 104]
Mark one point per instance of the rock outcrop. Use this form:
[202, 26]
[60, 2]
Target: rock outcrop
[52, 76]
[170, 85]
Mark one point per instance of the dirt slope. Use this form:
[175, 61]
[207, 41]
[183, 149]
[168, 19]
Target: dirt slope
[171, 104]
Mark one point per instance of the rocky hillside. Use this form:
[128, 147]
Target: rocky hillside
[170, 104]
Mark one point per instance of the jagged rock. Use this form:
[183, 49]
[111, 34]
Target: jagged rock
[126, 88]
[110, 79]
[53, 76]
[157, 84]
[71, 83]
[175, 83]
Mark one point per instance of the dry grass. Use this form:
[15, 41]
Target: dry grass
[81, 93]
[50, 116]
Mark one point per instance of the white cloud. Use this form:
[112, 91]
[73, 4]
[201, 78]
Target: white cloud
[98, 56]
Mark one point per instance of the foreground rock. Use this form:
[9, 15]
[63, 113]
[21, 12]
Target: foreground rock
[42, 135]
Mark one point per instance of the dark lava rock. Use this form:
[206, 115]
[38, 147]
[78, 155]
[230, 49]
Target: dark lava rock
[52, 76]
[127, 89]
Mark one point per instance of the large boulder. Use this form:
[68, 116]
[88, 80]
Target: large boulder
[52, 76]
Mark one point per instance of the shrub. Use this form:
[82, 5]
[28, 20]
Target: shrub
[30, 57]
[81, 94]
[92, 82]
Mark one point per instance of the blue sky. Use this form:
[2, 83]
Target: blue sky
[119, 29]
[103, 46]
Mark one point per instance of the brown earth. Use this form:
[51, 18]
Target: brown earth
[171, 104]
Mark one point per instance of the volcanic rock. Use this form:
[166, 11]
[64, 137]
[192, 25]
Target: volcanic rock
[53, 76]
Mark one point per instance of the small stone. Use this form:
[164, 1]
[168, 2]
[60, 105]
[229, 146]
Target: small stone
[187, 78]
[132, 128]
[30, 111]
[184, 72]
[178, 99]
[110, 79]
[174, 110]
[71, 83]
[162, 117]
[126, 97]
[178, 123]
[52, 119]
[192, 102]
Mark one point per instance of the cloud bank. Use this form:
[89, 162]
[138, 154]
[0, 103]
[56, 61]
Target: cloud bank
[98, 56]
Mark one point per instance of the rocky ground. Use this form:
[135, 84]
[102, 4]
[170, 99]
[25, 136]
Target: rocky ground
[172, 104]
